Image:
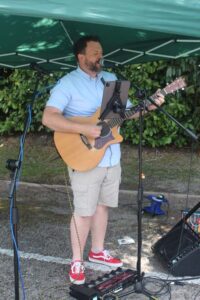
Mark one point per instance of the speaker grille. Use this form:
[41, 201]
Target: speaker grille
[178, 250]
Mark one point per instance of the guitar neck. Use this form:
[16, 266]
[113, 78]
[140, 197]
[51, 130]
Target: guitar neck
[174, 86]
[127, 114]
[130, 112]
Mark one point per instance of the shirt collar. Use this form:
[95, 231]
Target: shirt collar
[87, 76]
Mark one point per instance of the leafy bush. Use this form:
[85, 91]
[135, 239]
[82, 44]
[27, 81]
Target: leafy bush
[18, 91]
[184, 106]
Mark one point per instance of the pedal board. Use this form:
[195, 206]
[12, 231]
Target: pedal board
[112, 282]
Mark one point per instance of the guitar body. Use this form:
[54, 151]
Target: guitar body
[83, 154]
[74, 150]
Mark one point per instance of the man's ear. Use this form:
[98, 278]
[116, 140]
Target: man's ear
[80, 57]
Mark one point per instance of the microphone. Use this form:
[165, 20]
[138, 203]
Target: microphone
[40, 70]
[108, 64]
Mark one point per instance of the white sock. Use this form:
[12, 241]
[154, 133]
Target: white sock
[95, 250]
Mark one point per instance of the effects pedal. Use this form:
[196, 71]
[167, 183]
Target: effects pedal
[110, 283]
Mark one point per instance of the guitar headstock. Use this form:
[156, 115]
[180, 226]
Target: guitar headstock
[177, 84]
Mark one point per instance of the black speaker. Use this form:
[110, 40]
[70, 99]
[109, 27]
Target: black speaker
[179, 249]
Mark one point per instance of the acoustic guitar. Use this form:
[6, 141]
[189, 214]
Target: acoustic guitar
[81, 153]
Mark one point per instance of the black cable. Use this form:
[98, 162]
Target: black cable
[164, 288]
[188, 187]
[177, 280]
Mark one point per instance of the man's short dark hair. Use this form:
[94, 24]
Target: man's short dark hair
[81, 44]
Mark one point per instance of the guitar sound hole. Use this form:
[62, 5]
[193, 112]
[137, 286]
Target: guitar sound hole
[105, 129]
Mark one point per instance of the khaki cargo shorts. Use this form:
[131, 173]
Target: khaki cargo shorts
[99, 186]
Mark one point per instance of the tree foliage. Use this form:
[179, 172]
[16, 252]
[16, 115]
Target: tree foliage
[184, 105]
[18, 91]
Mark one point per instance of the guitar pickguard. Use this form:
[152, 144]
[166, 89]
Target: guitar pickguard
[105, 137]
[101, 141]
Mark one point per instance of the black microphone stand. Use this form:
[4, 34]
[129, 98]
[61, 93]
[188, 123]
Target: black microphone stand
[15, 167]
[141, 96]
[143, 99]
[138, 287]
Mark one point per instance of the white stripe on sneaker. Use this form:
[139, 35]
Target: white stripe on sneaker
[103, 262]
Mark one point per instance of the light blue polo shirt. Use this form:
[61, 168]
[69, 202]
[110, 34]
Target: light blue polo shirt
[78, 94]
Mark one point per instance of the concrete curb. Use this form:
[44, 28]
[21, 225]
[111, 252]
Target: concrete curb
[177, 200]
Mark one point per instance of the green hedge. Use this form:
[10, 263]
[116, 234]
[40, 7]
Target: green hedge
[184, 105]
[17, 89]
[17, 92]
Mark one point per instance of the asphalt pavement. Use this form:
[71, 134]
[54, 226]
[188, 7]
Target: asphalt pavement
[43, 238]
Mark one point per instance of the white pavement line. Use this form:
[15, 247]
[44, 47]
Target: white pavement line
[53, 259]
[90, 265]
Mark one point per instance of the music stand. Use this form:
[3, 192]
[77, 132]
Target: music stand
[114, 100]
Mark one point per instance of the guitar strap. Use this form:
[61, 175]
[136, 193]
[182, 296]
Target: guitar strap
[103, 81]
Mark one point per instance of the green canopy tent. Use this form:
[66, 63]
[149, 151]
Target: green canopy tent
[43, 32]
[131, 31]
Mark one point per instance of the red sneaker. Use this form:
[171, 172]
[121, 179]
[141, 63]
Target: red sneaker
[76, 274]
[105, 258]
